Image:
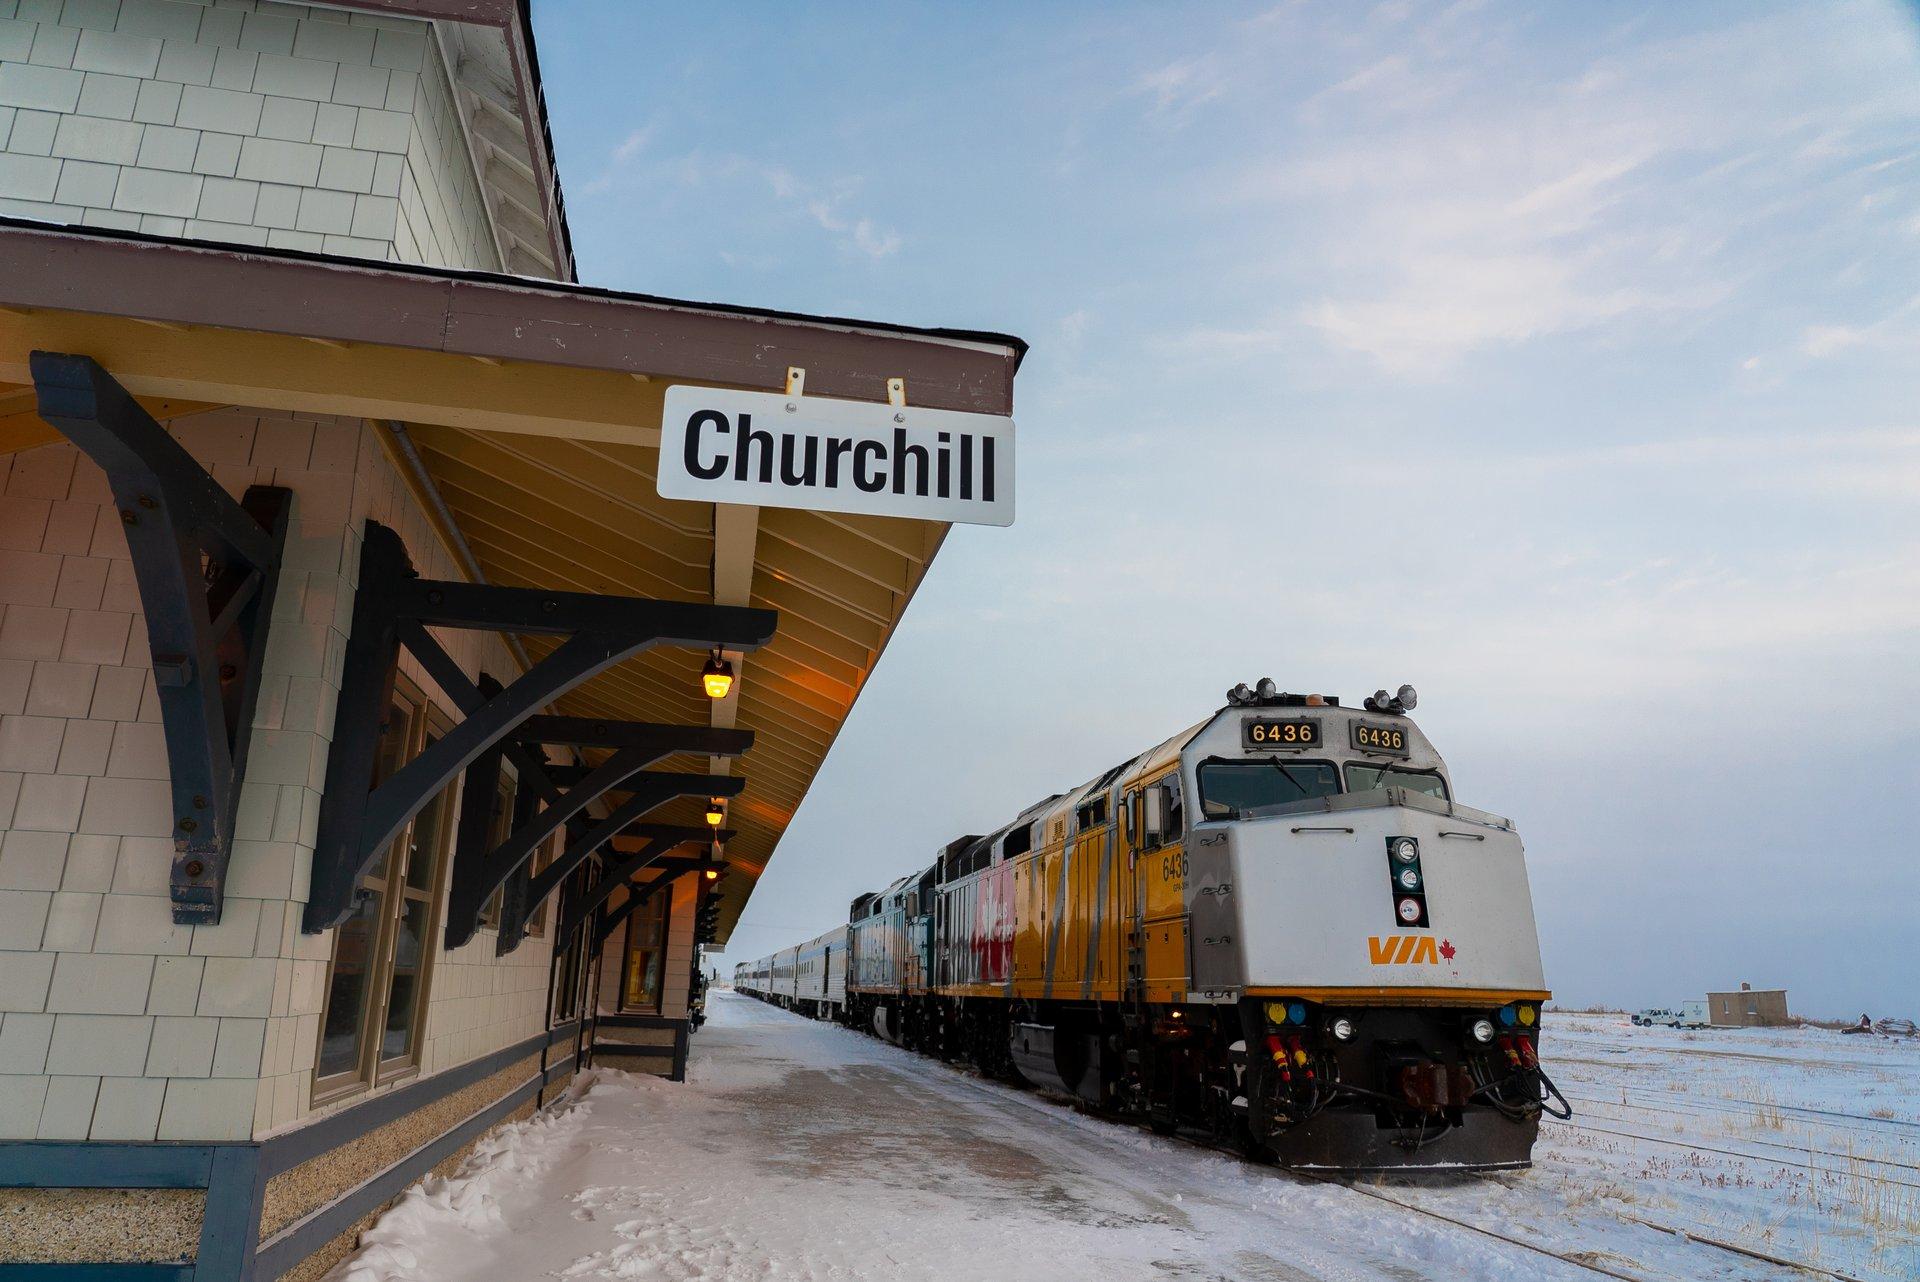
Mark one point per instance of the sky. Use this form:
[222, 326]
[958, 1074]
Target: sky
[1558, 360]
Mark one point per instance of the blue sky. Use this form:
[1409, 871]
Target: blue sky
[1558, 360]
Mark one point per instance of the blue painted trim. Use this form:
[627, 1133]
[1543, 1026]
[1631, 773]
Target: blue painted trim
[283, 1152]
[96, 1273]
[48, 1164]
[302, 1238]
[230, 1226]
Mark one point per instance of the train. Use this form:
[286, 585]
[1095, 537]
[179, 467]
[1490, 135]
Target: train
[1278, 929]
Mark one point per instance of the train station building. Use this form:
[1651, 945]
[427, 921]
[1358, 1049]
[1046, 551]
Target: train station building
[376, 740]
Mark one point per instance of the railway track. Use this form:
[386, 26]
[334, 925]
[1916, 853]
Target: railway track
[1837, 1120]
[1757, 1157]
[1894, 1163]
[1573, 1259]
[1687, 1234]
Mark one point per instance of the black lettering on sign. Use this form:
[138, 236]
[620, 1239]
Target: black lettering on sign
[875, 481]
[718, 422]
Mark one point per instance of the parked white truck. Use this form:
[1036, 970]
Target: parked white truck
[1685, 1015]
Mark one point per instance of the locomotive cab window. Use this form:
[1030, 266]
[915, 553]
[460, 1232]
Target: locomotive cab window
[1231, 788]
[1366, 778]
[1164, 817]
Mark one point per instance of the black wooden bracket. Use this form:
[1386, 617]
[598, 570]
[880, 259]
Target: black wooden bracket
[207, 568]
[480, 867]
[671, 870]
[660, 840]
[648, 791]
[394, 608]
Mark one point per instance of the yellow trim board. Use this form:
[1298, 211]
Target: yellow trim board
[285, 372]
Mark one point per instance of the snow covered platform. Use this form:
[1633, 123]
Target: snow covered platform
[799, 1150]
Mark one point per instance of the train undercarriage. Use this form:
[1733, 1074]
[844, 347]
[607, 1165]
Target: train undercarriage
[1405, 1088]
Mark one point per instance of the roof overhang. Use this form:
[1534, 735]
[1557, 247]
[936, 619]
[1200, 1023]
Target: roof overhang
[495, 72]
[534, 408]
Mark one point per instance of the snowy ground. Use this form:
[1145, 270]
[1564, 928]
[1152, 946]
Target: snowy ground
[802, 1151]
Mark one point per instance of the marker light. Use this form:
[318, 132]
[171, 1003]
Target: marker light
[1342, 1030]
[1297, 1013]
[1405, 850]
[1482, 1030]
[1526, 1015]
[717, 677]
[1409, 879]
[1409, 910]
[1316, 701]
[1507, 1016]
[1276, 1012]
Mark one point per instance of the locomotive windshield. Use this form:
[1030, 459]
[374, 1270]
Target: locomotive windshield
[1229, 788]
[1366, 778]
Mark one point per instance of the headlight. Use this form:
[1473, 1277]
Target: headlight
[1409, 879]
[1482, 1030]
[1342, 1030]
[1410, 911]
[1406, 849]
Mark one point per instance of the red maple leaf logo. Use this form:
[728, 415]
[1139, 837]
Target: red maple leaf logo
[1447, 950]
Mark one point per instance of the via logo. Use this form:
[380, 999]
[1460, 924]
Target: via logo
[1408, 950]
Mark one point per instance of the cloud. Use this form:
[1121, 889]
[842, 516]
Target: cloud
[827, 205]
[864, 234]
[1898, 331]
[1446, 194]
[1179, 89]
[620, 160]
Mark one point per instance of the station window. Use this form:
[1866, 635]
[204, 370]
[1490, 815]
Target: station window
[1366, 778]
[498, 831]
[646, 967]
[382, 954]
[546, 854]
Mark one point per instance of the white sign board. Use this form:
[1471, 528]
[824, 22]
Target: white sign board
[762, 448]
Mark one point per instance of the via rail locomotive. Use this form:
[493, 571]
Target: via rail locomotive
[1278, 927]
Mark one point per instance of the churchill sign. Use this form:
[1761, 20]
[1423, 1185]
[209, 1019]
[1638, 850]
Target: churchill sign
[836, 456]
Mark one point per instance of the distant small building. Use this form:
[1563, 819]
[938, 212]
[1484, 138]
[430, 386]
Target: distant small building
[1749, 1008]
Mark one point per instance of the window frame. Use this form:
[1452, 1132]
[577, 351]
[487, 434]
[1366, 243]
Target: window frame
[1200, 786]
[543, 855]
[665, 899]
[371, 1066]
[499, 827]
[1446, 789]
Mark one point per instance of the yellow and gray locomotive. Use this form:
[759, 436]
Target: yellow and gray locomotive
[1278, 928]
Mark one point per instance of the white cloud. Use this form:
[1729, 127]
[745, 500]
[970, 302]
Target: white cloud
[864, 234]
[1898, 331]
[828, 205]
[1179, 89]
[620, 160]
[1454, 198]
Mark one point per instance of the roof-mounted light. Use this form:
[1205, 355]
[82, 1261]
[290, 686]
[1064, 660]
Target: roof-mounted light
[1405, 699]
